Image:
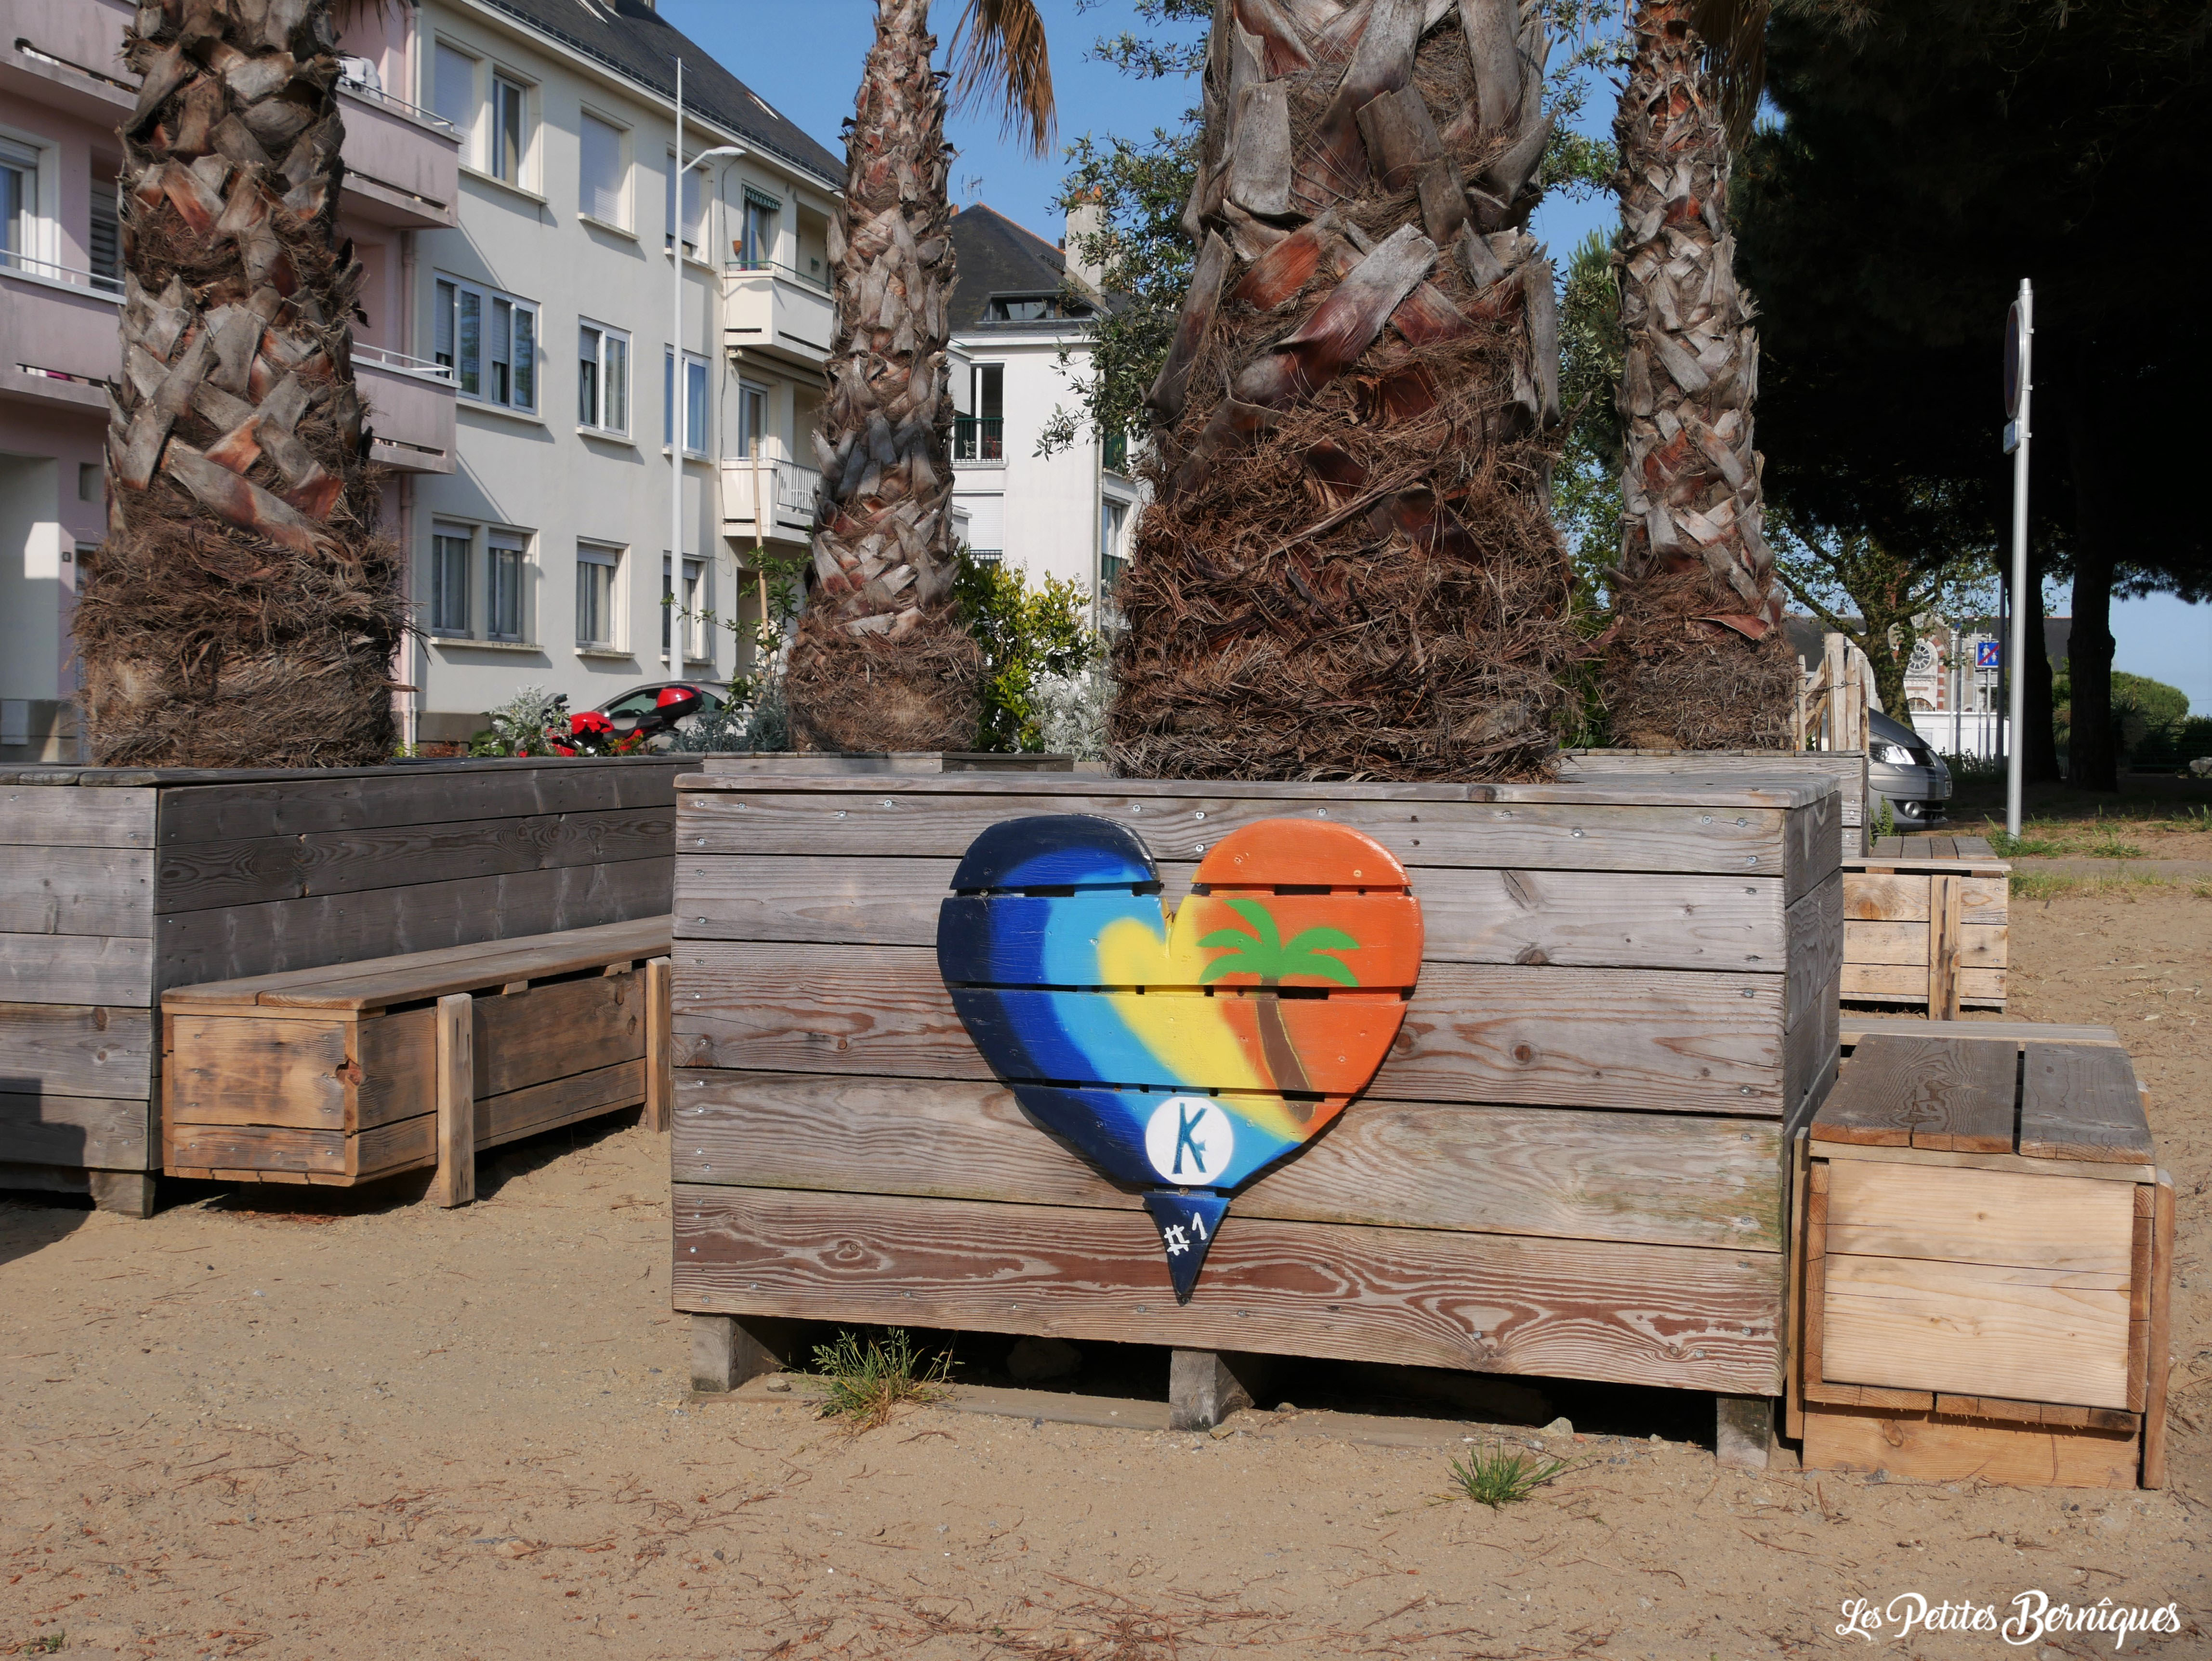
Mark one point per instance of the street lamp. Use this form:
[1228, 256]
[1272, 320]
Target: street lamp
[677, 423]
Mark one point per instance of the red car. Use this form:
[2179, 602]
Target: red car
[631, 721]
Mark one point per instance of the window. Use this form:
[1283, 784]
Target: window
[1113, 516]
[453, 90]
[510, 129]
[756, 249]
[752, 419]
[694, 206]
[684, 615]
[596, 569]
[695, 401]
[602, 378]
[602, 172]
[18, 205]
[1029, 309]
[489, 340]
[987, 519]
[450, 547]
[105, 243]
[981, 435]
[503, 577]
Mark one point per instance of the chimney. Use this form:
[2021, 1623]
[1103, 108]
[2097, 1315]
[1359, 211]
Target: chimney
[1084, 218]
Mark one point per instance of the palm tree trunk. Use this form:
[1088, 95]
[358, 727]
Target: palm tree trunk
[244, 611]
[1349, 569]
[882, 662]
[1276, 1047]
[1699, 660]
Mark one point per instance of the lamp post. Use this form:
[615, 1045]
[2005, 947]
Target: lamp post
[2020, 335]
[677, 423]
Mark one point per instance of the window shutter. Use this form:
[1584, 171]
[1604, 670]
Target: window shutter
[602, 171]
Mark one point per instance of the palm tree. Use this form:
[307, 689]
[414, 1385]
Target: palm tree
[1265, 953]
[882, 661]
[244, 610]
[1698, 658]
[1349, 569]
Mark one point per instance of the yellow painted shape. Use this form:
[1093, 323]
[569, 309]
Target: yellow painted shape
[1187, 1033]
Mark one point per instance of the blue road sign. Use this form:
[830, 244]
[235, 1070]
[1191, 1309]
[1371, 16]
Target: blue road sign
[1988, 655]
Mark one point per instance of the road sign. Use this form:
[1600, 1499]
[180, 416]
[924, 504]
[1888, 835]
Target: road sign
[1988, 655]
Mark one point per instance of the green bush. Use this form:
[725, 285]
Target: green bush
[1028, 636]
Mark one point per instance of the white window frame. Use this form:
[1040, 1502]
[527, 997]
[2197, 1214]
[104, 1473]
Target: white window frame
[695, 186]
[608, 557]
[467, 116]
[621, 217]
[501, 540]
[498, 164]
[695, 444]
[608, 410]
[452, 298]
[39, 253]
[753, 204]
[448, 531]
[751, 395]
[682, 611]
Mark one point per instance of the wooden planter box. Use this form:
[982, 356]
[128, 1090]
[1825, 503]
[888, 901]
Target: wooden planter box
[1571, 1164]
[1987, 1263]
[1847, 767]
[334, 1075]
[119, 884]
[1927, 921]
[873, 761]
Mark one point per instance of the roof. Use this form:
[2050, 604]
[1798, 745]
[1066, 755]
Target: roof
[632, 39]
[996, 257]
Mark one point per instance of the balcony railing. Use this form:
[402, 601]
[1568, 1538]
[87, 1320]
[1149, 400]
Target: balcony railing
[412, 111]
[27, 265]
[769, 267]
[980, 440]
[400, 363]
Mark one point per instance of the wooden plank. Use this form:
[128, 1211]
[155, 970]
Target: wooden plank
[196, 876]
[310, 803]
[2056, 1223]
[83, 969]
[551, 1031]
[1693, 1319]
[1658, 1179]
[1924, 1447]
[894, 819]
[1778, 789]
[48, 816]
[62, 889]
[887, 762]
[1793, 1363]
[1869, 1396]
[455, 1183]
[77, 1050]
[1892, 983]
[2079, 1101]
[1813, 931]
[1976, 1330]
[563, 1101]
[1926, 1158]
[1814, 834]
[1816, 1272]
[274, 1149]
[2054, 1413]
[1857, 1029]
[1984, 902]
[234, 1069]
[2139, 1279]
[75, 1131]
[1905, 946]
[395, 1062]
[407, 976]
[1943, 948]
[2159, 1339]
[1588, 919]
[226, 943]
[1882, 865]
[1579, 1037]
[1922, 1092]
[660, 1075]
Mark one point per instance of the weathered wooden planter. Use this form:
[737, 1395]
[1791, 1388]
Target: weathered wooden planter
[1988, 1251]
[1847, 767]
[914, 763]
[1927, 921]
[1572, 1162]
[119, 884]
[349, 1073]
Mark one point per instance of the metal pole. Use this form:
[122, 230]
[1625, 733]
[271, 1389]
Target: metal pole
[674, 561]
[2016, 647]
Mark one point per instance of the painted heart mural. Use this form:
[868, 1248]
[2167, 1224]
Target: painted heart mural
[1190, 1050]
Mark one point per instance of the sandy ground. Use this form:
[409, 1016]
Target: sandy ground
[243, 1429]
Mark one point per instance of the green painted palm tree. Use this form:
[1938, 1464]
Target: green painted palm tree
[1265, 953]
[882, 661]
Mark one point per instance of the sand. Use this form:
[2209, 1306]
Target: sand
[371, 1431]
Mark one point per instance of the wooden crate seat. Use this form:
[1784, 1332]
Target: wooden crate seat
[1927, 921]
[352, 1071]
[1987, 1246]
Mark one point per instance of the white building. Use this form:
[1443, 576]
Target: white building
[1070, 514]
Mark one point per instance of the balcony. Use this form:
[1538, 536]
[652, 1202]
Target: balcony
[789, 487]
[774, 311]
[59, 341]
[403, 164]
[979, 441]
[411, 410]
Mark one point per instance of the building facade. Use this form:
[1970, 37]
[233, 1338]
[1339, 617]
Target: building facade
[1018, 305]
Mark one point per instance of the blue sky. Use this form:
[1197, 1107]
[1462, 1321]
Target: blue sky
[805, 56]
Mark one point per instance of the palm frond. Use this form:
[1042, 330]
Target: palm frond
[999, 51]
[1262, 920]
[1735, 36]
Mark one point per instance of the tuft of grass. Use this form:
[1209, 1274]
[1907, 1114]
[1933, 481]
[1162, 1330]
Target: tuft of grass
[52, 1643]
[868, 1380]
[1497, 1478]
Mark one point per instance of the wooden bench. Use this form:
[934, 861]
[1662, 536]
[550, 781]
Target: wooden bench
[1986, 1251]
[354, 1072]
[1926, 921]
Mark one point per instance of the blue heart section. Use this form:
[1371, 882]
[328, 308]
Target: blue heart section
[1056, 850]
[1188, 1224]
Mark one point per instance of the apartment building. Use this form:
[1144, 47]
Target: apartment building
[1018, 305]
[510, 187]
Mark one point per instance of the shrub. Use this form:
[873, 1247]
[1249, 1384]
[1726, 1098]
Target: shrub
[1028, 635]
[518, 727]
[1497, 1479]
[866, 1381]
